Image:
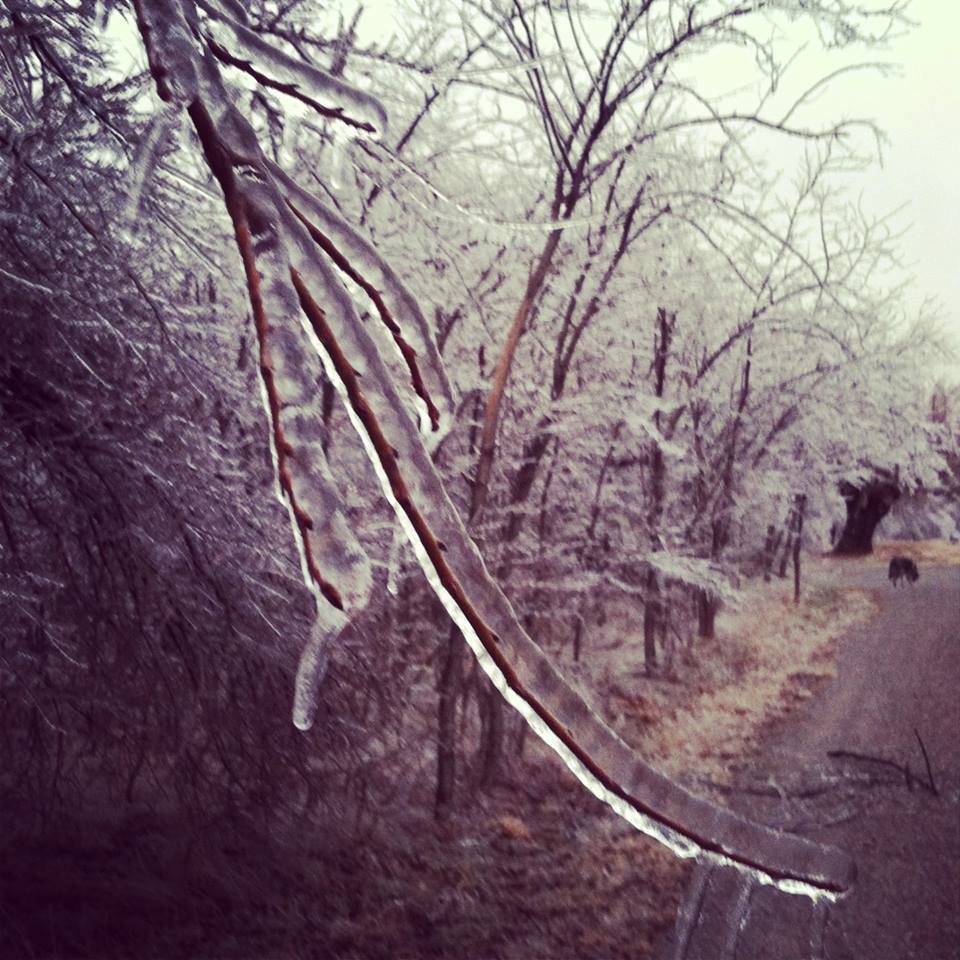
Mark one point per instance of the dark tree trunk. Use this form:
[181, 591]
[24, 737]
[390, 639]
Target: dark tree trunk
[800, 509]
[867, 505]
[772, 555]
[533, 453]
[651, 619]
[796, 571]
[652, 612]
[577, 637]
[447, 724]
[491, 735]
[706, 614]
[785, 556]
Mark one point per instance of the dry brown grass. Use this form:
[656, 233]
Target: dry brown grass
[766, 659]
[933, 552]
[511, 827]
[768, 656]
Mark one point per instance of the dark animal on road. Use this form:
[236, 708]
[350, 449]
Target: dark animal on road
[903, 568]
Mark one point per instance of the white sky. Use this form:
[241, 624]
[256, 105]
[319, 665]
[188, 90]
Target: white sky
[917, 106]
[920, 112]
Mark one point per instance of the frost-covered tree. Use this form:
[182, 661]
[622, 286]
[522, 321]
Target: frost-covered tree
[329, 308]
[613, 120]
[295, 250]
[152, 601]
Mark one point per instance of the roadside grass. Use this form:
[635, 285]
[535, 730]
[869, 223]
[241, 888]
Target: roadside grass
[775, 653]
[932, 552]
[767, 657]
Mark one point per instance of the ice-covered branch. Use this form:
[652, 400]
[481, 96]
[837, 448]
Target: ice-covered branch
[298, 298]
[239, 46]
[357, 259]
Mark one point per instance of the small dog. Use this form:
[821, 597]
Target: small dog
[903, 568]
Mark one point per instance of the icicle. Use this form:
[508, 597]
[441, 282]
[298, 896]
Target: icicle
[310, 672]
[393, 561]
[740, 915]
[312, 667]
[689, 912]
[818, 929]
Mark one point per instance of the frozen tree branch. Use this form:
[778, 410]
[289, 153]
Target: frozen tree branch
[297, 298]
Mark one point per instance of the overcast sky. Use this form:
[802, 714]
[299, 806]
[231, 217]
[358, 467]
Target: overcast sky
[920, 110]
[917, 105]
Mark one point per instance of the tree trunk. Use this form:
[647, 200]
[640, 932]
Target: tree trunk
[706, 614]
[785, 556]
[491, 413]
[577, 637]
[662, 338]
[796, 571]
[447, 724]
[769, 547]
[651, 618]
[800, 508]
[867, 505]
[491, 735]
[522, 483]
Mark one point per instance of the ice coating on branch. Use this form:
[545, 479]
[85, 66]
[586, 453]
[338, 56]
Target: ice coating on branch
[284, 252]
[17, 82]
[336, 160]
[330, 95]
[404, 309]
[330, 553]
[171, 48]
[487, 218]
[426, 514]
[645, 428]
[695, 571]
[393, 560]
[27, 284]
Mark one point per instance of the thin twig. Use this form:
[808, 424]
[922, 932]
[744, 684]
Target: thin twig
[907, 775]
[926, 760]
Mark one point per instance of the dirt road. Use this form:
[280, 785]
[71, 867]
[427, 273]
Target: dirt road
[898, 674]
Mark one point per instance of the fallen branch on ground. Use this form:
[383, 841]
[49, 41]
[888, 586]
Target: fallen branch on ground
[908, 776]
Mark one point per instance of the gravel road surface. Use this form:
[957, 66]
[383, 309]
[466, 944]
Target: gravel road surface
[848, 769]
